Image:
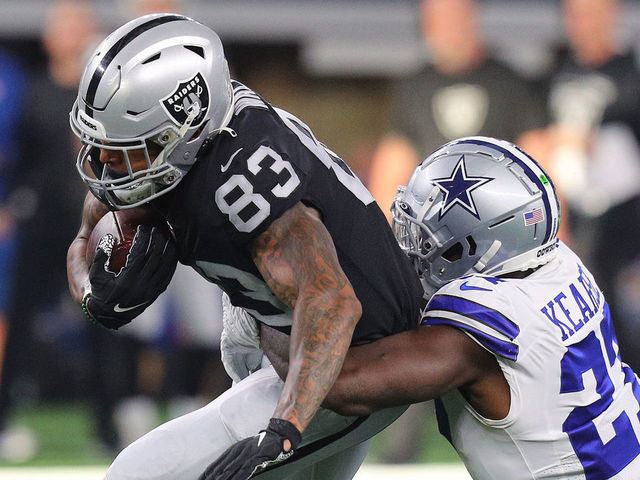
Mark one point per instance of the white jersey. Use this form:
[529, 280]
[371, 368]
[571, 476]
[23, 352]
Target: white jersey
[574, 404]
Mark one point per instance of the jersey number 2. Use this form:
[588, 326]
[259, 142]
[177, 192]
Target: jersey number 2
[604, 433]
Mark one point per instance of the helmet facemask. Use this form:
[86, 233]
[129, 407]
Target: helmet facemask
[434, 264]
[129, 189]
[414, 237]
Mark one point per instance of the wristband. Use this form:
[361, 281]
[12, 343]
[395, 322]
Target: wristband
[287, 430]
[85, 310]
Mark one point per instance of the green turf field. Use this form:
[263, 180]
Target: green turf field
[64, 434]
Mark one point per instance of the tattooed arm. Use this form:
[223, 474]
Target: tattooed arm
[298, 260]
[77, 268]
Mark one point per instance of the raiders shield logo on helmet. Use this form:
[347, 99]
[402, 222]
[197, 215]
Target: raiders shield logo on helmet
[190, 94]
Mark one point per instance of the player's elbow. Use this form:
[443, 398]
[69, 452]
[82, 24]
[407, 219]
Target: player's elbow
[350, 308]
[341, 308]
[354, 309]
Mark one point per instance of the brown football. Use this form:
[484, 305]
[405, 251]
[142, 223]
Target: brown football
[122, 224]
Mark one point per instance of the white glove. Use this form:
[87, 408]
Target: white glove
[239, 342]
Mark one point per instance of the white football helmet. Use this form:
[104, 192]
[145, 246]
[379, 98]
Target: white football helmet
[476, 204]
[159, 81]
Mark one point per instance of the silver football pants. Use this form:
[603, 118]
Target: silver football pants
[333, 446]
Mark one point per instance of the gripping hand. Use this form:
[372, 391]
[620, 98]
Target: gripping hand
[252, 455]
[239, 342]
[115, 300]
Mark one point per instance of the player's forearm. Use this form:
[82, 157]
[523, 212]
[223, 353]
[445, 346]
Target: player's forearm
[375, 376]
[77, 269]
[363, 384]
[275, 346]
[320, 338]
[408, 367]
[372, 375]
[298, 261]
[380, 374]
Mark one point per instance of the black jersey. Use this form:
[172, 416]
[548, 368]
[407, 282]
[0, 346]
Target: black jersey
[247, 179]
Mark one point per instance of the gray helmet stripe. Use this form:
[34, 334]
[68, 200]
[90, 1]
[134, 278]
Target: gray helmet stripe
[113, 51]
[551, 229]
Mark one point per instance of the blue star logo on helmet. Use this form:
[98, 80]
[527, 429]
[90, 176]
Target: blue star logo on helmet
[189, 94]
[457, 189]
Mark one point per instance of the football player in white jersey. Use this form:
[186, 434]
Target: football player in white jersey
[516, 342]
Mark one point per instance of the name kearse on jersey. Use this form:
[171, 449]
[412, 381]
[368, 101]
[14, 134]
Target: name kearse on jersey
[569, 310]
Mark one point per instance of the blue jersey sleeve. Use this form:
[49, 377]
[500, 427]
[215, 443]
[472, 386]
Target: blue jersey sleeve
[12, 81]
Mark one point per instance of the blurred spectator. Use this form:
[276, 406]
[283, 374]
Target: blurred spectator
[594, 155]
[16, 443]
[463, 91]
[137, 8]
[47, 168]
[49, 326]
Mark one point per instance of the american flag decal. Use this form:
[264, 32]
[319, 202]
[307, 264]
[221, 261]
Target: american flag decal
[534, 216]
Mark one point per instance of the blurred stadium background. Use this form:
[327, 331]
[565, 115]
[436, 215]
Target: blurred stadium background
[332, 63]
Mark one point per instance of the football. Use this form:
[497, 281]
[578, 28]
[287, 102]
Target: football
[122, 224]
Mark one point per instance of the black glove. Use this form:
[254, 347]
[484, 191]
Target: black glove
[252, 455]
[115, 300]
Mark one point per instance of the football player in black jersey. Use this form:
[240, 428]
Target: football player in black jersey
[257, 205]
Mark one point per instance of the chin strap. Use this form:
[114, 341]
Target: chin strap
[488, 255]
[228, 130]
[194, 111]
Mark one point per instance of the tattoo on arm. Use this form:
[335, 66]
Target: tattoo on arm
[298, 261]
[77, 269]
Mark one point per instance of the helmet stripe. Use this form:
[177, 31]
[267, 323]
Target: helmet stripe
[533, 172]
[117, 47]
[552, 197]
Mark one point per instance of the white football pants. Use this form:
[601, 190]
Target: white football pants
[333, 447]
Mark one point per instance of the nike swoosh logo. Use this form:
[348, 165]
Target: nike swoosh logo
[464, 286]
[119, 309]
[261, 437]
[225, 167]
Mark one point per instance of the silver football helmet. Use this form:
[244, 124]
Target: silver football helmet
[159, 84]
[476, 204]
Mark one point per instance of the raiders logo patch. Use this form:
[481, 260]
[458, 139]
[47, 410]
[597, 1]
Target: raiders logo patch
[188, 95]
